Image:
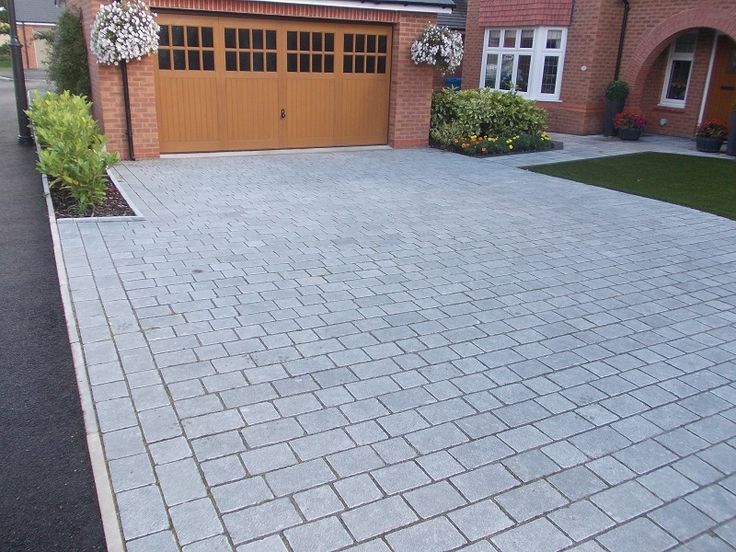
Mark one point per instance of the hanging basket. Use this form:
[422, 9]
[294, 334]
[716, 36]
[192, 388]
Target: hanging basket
[440, 47]
[124, 31]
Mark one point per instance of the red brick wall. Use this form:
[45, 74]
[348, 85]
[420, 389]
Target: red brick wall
[411, 86]
[592, 42]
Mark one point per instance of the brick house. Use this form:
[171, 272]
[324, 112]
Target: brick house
[679, 57]
[33, 16]
[235, 75]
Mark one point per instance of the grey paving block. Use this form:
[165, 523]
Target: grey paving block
[576, 483]
[258, 521]
[319, 502]
[195, 520]
[484, 482]
[626, 501]
[378, 517]
[539, 535]
[530, 500]
[299, 477]
[180, 481]
[324, 536]
[269, 458]
[241, 494]
[434, 499]
[142, 512]
[436, 535]
[581, 520]
[681, 520]
[400, 477]
[640, 534]
[482, 519]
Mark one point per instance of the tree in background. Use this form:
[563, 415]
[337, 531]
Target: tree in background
[68, 68]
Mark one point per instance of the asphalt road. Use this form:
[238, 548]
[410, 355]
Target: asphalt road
[47, 493]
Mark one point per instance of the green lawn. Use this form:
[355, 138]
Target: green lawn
[4, 64]
[703, 183]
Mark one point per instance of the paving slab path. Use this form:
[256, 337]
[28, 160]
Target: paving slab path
[408, 351]
[47, 493]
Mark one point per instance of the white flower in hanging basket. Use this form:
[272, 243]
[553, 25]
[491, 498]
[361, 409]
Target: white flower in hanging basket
[438, 46]
[123, 31]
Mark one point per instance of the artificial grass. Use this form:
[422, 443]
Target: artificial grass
[703, 183]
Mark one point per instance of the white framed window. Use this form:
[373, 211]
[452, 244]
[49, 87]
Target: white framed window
[679, 68]
[528, 60]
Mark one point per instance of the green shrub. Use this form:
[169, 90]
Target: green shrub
[72, 152]
[617, 90]
[68, 68]
[458, 115]
[5, 52]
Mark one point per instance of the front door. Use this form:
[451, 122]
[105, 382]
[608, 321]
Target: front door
[722, 94]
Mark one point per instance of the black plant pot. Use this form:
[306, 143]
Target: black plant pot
[629, 133]
[708, 144]
[731, 145]
[613, 108]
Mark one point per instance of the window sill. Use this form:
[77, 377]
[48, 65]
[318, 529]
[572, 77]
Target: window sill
[671, 108]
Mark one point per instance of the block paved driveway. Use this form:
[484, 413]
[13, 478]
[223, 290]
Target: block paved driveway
[409, 351]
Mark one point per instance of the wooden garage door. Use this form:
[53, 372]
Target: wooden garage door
[241, 84]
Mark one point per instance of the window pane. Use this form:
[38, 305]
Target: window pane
[193, 37]
[494, 39]
[291, 40]
[370, 64]
[271, 40]
[207, 37]
[527, 39]
[179, 60]
[359, 64]
[208, 60]
[371, 43]
[317, 42]
[382, 64]
[491, 70]
[291, 63]
[549, 74]
[348, 43]
[677, 87]
[271, 62]
[507, 70]
[347, 64]
[230, 38]
[193, 56]
[164, 58]
[243, 38]
[686, 43]
[329, 63]
[554, 39]
[509, 38]
[329, 42]
[316, 62]
[258, 61]
[304, 63]
[163, 35]
[360, 43]
[382, 44]
[244, 61]
[257, 39]
[177, 35]
[304, 41]
[522, 73]
[231, 61]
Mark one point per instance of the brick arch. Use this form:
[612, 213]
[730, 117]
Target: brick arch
[656, 40]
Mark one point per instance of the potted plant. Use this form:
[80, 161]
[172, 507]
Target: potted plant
[440, 47]
[629, 125]
[616, 93]
[731, 145]
[709, 136]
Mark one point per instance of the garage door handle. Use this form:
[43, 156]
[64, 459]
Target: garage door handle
[283, 114]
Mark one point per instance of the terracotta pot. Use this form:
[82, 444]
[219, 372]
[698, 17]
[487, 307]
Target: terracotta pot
[708, 144]
[629, 133]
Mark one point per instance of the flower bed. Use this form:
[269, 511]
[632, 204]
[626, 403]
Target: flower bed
[483, 122]
[72, 155]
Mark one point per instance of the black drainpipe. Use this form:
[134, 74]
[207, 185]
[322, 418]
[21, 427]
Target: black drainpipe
[620, 55]
[126, 102]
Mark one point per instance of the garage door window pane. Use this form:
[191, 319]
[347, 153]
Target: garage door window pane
[193, 60]
[382, 64]
[243, 38]
[177, 35]
[329, 63]
[258, 61]
[329, 42]
[370, 64]
[271, 40]
[208, 60]
[359, 64]
[304, 63]
[231, 61]
[207, 37]
[163, 35]
[371, 47]
[360, 43]
[348, 43]
[257, 39]
[304, 41]
[271, 62]
[347, 64]
[244, 59]
[164, 58]
[291, 40]
[291, 63]
[382, 44]
[193, 37]
[317, 42]
[179, 60]
[230, 38]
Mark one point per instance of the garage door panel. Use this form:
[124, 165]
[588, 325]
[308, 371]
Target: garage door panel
[310, 112]
[188, 116]
[247, 83]
[252, 107]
